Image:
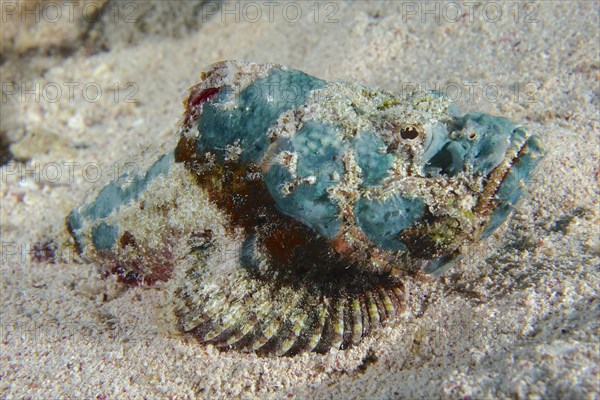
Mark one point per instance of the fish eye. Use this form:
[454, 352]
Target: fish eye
[409, 132]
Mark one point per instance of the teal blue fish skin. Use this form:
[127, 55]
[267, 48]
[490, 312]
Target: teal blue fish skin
[319, 152]
[384, 220]
[114, 195]
[258, 107]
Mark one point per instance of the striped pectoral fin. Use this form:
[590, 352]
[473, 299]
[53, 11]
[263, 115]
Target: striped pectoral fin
[243, 331]
[284, 305]
[297, 324]
[333, 329]
[276, 325]
[372, 310]
[192, 315]
[386, 303]
[260, 307]
[316, 331]
[337, 325]
[227, 326]
[261, 328]
[267, 330]
[356, 313]
[283, 322]
[200, 321]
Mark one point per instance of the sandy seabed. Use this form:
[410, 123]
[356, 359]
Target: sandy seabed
[517, 319]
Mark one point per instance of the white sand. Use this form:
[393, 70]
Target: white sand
[519, 317]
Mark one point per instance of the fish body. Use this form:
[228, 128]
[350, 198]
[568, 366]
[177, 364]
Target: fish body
[290, 210]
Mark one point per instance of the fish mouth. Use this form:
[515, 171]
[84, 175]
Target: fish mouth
[476, 144]
[508, 182]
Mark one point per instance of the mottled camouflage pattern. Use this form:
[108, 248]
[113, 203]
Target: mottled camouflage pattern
[291, 209]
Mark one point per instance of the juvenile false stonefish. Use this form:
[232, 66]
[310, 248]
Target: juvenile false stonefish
[291, 209]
